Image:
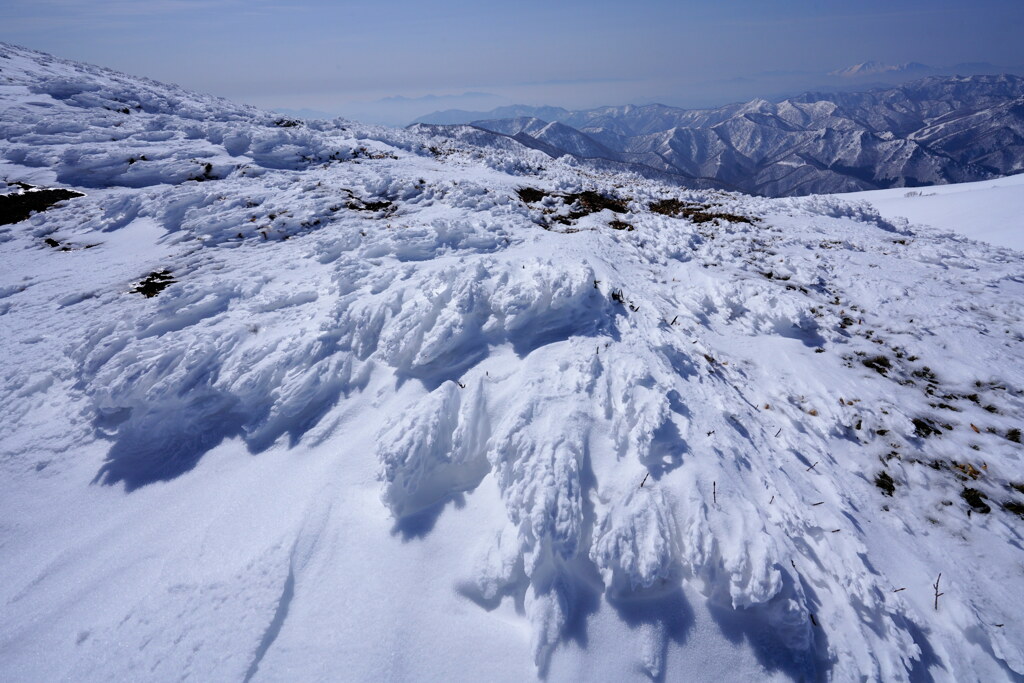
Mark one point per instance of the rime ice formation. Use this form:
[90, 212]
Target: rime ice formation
[322, 400]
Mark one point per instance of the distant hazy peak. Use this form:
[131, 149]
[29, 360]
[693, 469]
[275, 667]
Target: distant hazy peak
[871, 68]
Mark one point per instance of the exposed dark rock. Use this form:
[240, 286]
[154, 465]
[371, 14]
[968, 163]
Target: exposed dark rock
[976, 499]
[154, 283]
[15, 208]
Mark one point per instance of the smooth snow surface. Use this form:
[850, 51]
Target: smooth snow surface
[390, 419]
[988, 210]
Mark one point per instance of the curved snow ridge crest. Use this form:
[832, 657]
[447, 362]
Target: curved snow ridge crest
[537, 453]
[435, 451]
[540, 481]
[750, 566]
[636, 543]
[447, 321]
[739, 568]
[636, 401]
[167, 389]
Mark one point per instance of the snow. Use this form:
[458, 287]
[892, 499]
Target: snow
[987, 210]
[391, 421]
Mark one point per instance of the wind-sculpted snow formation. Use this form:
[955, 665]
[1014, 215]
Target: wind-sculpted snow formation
[397, 407]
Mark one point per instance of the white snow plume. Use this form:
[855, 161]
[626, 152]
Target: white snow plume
[342, 402]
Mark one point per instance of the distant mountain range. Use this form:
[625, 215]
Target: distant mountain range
[873, 68]
[931, 131]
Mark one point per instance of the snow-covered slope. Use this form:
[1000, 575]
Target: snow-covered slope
[989, 210]
[291, 402]
[930, 132]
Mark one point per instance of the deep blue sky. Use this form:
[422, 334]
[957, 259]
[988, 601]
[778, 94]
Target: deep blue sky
[339, 56]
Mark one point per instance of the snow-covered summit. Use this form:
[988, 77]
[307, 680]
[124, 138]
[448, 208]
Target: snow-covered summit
[934, 131]
[872, 68]
[327, 401]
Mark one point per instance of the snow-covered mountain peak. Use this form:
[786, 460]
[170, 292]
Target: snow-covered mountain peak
[289, 400]
[756, 105]
[871, 68]
[814, 142]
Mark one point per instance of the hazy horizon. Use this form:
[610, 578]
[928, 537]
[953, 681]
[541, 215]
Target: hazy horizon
[394, 63]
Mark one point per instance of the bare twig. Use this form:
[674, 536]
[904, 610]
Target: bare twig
[645, 479]
[937, 593]
[897, 590]
[714, 492]
[772, 500]
[820, 502]
[812, 467]
[778, 432]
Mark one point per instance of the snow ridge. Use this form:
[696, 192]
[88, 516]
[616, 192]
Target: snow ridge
[604, 436]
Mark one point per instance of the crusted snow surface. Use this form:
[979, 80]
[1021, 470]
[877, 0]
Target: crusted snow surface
[385, 416]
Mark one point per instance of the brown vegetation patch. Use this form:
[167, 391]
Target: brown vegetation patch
[696, 213]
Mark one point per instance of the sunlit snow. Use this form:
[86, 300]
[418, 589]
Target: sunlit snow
[387, 417]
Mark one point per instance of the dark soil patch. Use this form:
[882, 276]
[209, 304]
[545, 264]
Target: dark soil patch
[667, 207]
[207, 174]
[15, 208]
[531, 194]
[976, 499]
[925, 373]
[886, 483]
[879, 364]
[592, 202]
[924, 428]
[154, 283]
[1014, 507]
[696, 213]
[620, 225]
[588, 203]
[54, 244]
[360, 205]
[581, 204]
[356, 203]
[1013, 435]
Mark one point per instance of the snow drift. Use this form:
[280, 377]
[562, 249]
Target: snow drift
[399, 407]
